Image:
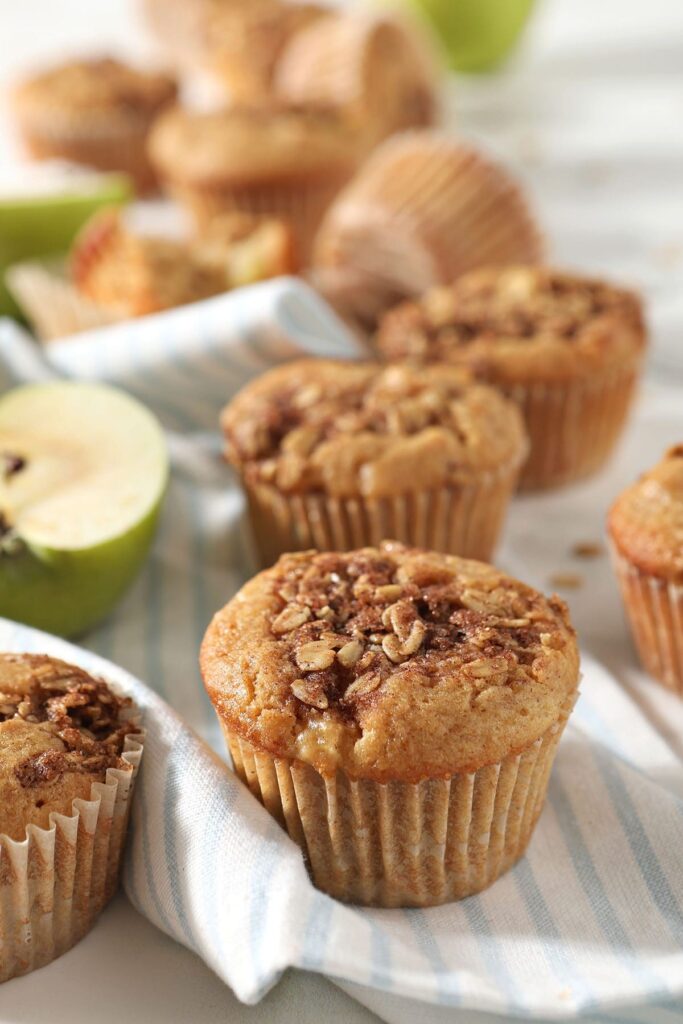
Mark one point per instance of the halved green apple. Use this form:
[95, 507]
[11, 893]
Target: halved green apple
[83, 472]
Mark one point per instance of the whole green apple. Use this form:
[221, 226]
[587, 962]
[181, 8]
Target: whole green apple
[476, 34]
[83, 472]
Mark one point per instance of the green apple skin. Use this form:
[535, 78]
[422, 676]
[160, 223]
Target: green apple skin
[47, 225]
[68, 592]
[476, 34]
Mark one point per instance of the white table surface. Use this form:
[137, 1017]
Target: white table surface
[589, 114]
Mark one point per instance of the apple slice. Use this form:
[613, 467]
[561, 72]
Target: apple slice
[83, 471]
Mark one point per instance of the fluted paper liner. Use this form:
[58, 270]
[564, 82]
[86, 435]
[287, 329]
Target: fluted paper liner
[399, 844]
[462, 520]
[55, 882]
[51, 303]
[654, 608]
[574, 425]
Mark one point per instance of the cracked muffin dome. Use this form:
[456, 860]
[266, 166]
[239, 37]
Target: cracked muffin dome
[60, 730]
[389, 663]
[517, 324]
[352, 428]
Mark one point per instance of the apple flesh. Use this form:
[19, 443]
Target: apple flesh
[83, 472]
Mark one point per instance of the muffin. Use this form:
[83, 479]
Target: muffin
[422, 211]
[96, 112]
[69, 752]
[379, 71]
[397, 711]
[338, 455]
[646, 532]
[116, 273]
[275, 161]
[567, 349]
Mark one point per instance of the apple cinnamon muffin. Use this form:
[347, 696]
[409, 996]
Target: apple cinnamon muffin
[96, 112]
[338, 455]
[274, 160]
[645, 526]
[65, 736]
[568, 349]
[397, 711]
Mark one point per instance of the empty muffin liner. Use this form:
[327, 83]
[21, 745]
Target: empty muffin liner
[462, 520]
[50, 302]
[399, 844]
[654, 608]
[302, 203]
[574, 425]
[55, 882]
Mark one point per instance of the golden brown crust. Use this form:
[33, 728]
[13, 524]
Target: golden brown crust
[646, 521]
[390, 663]
[103, 86]
[518, 324]
[361, 429]
[60, 730]
[246, 145]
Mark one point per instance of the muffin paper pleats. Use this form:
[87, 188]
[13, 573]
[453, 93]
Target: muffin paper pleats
[55, 882]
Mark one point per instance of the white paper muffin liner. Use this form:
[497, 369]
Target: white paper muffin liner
[573, 426]
[50, 302]
[398, 844]
[654, 608]
[55, 882]
[463, 520]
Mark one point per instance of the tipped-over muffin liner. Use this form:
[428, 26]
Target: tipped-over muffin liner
[423, 211]
[106, 143]
[574, 425]
[302, 203]
[50, 302]
[400, 844]
[55, 882]
[461, 520]
[334, 62]
[654, 608]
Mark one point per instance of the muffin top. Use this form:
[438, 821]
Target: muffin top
[100, 85]
[359, 428]
[518, 322]
[247, 144]
[60, 730]
[390, 663]
[646, 521]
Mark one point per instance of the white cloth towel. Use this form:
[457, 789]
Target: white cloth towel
[590, 919]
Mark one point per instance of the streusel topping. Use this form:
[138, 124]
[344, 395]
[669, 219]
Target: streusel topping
[74, 708]
[100, 84]
[393, 662]
[496, 317]
[353, 428]
[646, 521]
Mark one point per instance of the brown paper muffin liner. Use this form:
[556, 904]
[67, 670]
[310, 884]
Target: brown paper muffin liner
[56, 881]
[302, 203]
[400, 844]
[104, 143]
[423, 211]
[464, 520]
[50, 302]
[573, 426]
[654, 608]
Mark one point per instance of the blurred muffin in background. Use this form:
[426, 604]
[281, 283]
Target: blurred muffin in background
[269, 160]
[568, 349]
[238, 41]
[423, 210]
[96, 112]
[645, 526]
[380, 71]
[116, 272]
[336, 455]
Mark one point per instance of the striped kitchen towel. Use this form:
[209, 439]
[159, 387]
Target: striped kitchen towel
[591, 919]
